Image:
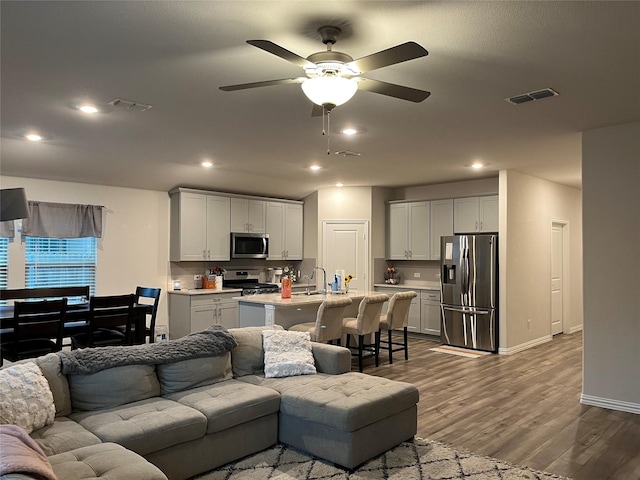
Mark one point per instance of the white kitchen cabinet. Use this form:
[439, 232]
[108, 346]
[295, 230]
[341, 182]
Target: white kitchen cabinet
[430, 312]
[193, 313]
[409, 231]
[475, 214]
[414, 309]
[441, 224]
[284, 226]
[248, 215]
[199, 227]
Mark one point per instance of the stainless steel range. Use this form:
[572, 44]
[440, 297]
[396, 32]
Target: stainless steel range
[248, 281]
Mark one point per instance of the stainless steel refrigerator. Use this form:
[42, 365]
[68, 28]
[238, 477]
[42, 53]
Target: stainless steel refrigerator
[469, 287]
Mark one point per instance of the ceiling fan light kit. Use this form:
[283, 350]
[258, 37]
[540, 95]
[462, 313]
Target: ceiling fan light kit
[329, 91]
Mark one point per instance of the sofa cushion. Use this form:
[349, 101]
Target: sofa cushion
[104, 461]
[196, 372]
[25, 397]
[229, 403]
[62, 436]
[248, 356]
[346, 402]
[287, 353]
[113, 387]
[51, 367]
[146, 426]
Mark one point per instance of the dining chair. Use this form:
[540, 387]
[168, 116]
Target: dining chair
[328, 324]
[365, 324]
[37, 329]
[397, 318]
[106, 316]
[150, 297]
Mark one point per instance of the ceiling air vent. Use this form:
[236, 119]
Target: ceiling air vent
[122, 104]
[531, 96]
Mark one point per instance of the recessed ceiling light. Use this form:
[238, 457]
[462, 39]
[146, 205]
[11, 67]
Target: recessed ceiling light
[207, 163]
[477, 165]
[315, 167]
[349, 131]
[33, 137]
[87, 108]
[339, 185]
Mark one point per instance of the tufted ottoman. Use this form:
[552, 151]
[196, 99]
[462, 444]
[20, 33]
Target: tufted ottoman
[346, 419]
[105, 460]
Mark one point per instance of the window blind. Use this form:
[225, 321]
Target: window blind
[60, 262]
[4, 263]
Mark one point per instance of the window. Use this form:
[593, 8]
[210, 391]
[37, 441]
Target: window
[4, 263]
[60, 262]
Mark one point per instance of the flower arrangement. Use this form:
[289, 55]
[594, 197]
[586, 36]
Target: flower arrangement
[347, 280]
[391, 276]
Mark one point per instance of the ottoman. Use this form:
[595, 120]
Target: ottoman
[346, 419]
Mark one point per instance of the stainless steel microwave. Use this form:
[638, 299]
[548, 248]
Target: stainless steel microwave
[249, 245]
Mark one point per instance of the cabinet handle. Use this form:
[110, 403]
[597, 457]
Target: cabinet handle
[481, 226]
[476, 226]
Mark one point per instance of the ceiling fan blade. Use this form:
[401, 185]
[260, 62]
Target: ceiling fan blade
[390, 56]
[393, 90]
[266, 83]
[281, 52]
[317, 110]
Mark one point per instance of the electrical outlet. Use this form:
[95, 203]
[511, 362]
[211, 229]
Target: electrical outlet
[416, 275]
[197, 277]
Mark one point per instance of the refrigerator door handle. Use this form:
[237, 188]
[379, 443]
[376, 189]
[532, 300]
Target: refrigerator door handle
[468, 310]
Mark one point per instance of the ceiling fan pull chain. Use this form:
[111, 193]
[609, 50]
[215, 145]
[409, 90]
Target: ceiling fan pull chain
[328, 132]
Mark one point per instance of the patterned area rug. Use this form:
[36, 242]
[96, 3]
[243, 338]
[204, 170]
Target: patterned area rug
[461, 352]
[416, 460]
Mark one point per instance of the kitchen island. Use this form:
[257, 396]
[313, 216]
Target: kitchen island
[272, 309]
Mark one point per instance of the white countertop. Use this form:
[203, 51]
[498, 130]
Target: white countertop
[204, 291]
[298, 300]
[412, 285]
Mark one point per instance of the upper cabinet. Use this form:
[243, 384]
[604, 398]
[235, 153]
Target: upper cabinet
[284, 225]
[199, 227]
[409, 231]
[248, 215]
[475, 214]
[441, 224]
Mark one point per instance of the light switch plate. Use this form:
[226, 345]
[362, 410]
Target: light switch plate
[416, 275]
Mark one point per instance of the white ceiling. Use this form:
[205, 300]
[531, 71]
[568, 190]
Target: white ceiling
[175, 55]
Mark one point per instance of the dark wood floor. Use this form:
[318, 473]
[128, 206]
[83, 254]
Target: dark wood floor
[522, 408]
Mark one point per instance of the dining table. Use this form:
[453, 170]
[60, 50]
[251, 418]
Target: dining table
[77, 320]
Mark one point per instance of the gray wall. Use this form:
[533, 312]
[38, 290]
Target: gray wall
[528, 207]
[611, 219]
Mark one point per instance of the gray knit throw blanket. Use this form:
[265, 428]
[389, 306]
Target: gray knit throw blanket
[211, 342]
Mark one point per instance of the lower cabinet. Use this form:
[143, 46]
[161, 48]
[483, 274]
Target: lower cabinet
[430, 312]
[193, 313]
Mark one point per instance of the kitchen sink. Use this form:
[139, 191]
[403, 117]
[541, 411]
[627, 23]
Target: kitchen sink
[312, 292]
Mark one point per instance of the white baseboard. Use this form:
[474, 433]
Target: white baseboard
[610, 403]
[575, 328]
[525, 346]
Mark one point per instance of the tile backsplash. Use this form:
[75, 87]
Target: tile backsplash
[426, 271]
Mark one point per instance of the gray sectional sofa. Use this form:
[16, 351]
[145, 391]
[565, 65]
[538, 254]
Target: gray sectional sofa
[179, 419]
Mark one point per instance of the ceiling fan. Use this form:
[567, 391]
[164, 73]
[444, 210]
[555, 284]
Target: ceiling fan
[332, 78]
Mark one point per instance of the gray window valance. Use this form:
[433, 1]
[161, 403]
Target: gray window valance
[62, 220]
[7, 229]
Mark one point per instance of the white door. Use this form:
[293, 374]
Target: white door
[556, 278]
[346, 247]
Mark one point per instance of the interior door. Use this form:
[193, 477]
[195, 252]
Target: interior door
[557, 290]
[346, 247]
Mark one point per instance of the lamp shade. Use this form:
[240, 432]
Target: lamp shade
[329, 90]
[13, 204]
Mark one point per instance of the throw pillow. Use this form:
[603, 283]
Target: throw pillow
[25, 397]
[287, 353]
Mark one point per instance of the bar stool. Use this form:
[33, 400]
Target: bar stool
[366, 323]
[328, 324]
[397, 318]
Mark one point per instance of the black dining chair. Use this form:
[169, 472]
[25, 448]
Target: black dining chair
[150, 297]
[37, 329]
[110, 322]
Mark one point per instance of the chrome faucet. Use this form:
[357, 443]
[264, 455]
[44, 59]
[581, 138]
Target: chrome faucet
[324, 278]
